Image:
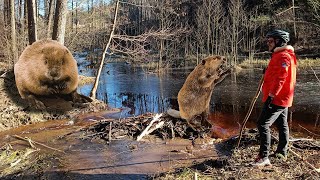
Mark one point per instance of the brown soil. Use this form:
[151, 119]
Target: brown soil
[236, 163]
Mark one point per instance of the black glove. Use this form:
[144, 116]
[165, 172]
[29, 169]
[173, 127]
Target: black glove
[268, 102]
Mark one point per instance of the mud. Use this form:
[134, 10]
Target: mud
[94, 158]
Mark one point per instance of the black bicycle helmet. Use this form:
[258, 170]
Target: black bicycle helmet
[283, 35]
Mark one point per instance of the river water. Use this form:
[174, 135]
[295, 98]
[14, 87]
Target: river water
[137, 91]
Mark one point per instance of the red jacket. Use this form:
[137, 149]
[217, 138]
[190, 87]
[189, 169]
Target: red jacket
[280, 77]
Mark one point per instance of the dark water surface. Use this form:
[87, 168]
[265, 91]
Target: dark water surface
[138, 91]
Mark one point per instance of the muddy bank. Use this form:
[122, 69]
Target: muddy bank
[90, 153]
[87, 154]
[16, 112]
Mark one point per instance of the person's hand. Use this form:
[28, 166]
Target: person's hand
[268, 102]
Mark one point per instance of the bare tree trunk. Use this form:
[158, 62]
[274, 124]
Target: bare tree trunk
[21, 18]
[72, 14]
[160, 54]
[20, 25]
[32, 25]
[76, 21]
[60, 21]
[6, 12]
[96, 83]
[50, 17]
[294, 19]
[208, 31]
[13, 32]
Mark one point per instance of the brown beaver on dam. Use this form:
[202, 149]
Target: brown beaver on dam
[195, 95]
[47, 68]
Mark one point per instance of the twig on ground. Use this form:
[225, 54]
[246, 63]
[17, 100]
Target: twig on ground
[86, 127]
[3, 75]
[298, 156]
[172, 131]
[7, 146]
[315, 74]
[145, 131]
[43, 145]
[110, 125]
[309, 131]
[31, 144]
[93, 135]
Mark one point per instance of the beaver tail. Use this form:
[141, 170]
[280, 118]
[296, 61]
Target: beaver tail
[173, 113]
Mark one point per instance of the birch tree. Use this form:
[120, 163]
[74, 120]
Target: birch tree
[13, 31]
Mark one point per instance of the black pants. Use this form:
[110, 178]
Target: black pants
[269, 115]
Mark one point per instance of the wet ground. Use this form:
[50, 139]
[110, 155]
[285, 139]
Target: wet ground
[87, 158]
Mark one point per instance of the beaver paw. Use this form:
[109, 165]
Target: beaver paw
[52, 90]
[62, 86]
[79, 98]
[37, 104]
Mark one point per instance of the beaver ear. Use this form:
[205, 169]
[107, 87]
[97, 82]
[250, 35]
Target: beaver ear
[66, 52]
[203, 62]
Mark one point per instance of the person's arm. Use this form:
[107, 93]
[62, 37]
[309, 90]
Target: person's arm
[281, 74]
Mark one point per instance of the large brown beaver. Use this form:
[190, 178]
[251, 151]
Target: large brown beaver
[47, 68]
[195, 95]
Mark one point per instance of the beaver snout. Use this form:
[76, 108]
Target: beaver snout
[54, 74]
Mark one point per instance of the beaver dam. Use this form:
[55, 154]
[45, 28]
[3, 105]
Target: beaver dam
[141, 142]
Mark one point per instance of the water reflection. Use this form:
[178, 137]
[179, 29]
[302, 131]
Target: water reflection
[123, 86]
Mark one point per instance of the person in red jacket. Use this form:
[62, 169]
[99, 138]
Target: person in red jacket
[277, 90]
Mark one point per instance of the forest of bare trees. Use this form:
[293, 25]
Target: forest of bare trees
[166, 31]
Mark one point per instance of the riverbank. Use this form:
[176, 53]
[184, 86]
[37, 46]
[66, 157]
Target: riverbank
[16, 112]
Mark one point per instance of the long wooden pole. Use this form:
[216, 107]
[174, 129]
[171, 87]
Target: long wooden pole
[250, 110]
[96, 83]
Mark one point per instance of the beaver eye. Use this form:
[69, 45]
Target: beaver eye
[62, 62]
[46, 61]
[203, 62]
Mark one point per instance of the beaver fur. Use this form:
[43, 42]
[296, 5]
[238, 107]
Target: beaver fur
[195, 95]
[47, 68]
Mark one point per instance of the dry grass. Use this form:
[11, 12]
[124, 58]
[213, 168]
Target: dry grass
[255, 63]
[262, 63]
[306, 63]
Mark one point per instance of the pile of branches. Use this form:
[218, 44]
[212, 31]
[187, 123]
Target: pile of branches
[159, 125]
